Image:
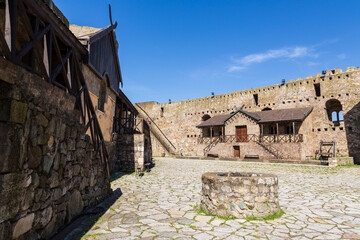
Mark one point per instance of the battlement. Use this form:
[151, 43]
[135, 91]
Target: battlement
[330, 75]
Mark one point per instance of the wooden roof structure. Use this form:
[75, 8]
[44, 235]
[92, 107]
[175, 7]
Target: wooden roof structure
[215, 121]
[103, 47]
[283, 115]
[262, 117]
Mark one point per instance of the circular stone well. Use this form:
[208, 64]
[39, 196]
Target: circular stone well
[240, 194]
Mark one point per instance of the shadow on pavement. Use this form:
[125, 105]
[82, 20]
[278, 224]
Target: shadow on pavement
[85, 221]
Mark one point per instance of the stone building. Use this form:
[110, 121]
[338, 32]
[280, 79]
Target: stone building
[55, 161]
[315, 117]
[126, 134]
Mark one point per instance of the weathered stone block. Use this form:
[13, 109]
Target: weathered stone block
[35, 156]
[75, 205]
[23, 225]
[53, 181]
[43, 218]
[18, 112]
[47, 164]
[12, 187]
[5, 230]
[42, 120]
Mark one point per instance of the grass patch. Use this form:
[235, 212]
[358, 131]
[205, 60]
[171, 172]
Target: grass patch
[201, 211]
[275, 216]
[153, 202]
[349, 165]
[226, 218]
[87, 236]
[252, 218]
[195, 207]
[270, 217]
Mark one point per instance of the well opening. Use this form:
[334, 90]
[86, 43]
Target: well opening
[240, 194]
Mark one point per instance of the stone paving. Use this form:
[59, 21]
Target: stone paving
[319, 203]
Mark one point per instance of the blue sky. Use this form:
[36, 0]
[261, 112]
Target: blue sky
[183, 49]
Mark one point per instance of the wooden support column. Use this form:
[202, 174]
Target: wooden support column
[222, 133]
[211, 129]
[10, 24]
[261, 132]
[277, 132]
[126, 116]
[293, 127]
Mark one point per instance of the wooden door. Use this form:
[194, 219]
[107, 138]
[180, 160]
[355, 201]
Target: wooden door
[237, 151]
[241, 134]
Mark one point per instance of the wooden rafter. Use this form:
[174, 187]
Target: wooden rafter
[29, 30]
[69, 64]
[29, 46]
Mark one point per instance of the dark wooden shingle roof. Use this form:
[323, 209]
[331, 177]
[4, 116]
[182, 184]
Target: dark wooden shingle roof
[215, 121]
[270, 116]
[283, 115]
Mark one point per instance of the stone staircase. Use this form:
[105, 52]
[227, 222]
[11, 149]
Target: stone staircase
[156, 131]
[270, 149]
[212, 144]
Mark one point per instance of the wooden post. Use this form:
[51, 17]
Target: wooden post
[211, 132]
[277, 132]
[10, 24]
[293, 127]
[222, 133]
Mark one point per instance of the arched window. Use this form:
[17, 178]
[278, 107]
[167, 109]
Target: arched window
[266, 109]
[334, 117]
[341, 116]
[334, 110]
[205, 117]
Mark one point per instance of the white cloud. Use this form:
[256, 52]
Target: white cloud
[283, 53]
[341, 56]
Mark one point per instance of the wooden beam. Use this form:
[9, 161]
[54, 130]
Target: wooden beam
[10, 24]
[62, 65]
[29, 45]
[45, 13]
[4, 47]
[293, 127]
[29, 30]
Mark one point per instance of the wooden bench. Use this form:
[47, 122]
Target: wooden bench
[252, 156]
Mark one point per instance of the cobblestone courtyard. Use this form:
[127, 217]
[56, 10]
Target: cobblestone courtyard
[319, 203]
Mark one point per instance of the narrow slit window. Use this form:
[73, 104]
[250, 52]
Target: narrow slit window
[162, 112]
[317, 89]
[256, 99]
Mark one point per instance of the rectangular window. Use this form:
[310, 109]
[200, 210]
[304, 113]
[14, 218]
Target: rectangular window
[162, 112]
[256, 99]
[317, 89]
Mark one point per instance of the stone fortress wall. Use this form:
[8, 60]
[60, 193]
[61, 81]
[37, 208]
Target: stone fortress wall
[49, 171]
[178, 120]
